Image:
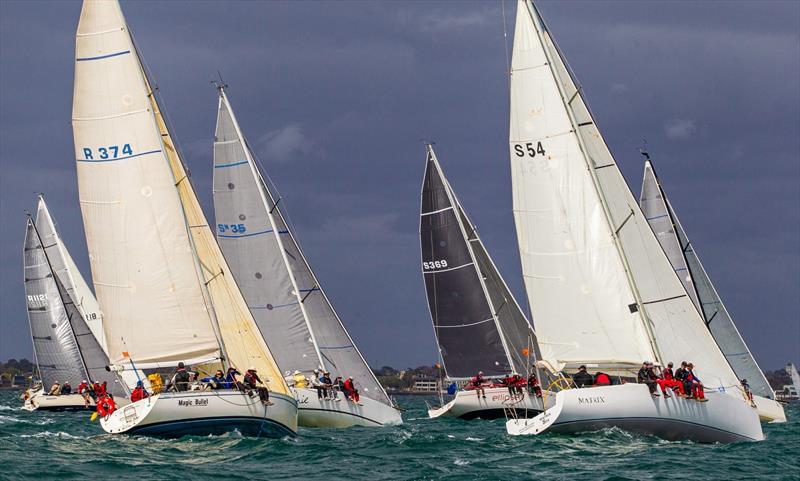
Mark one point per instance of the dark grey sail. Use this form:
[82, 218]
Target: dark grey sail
[290, 308]
[684, 259]
[478, 324]
[58, 358]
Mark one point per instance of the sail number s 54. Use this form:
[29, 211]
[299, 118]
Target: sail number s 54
[434, 264]
[530, 149]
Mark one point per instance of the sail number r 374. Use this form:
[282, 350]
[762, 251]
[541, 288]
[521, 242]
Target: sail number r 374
[531, 150]
[110, 152]
[434, 264]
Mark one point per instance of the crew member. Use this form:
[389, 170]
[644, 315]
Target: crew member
[217, 381]
[668, 380]
[66, 388]
[328, 387]
[316, 383]
[300, 380]
[602, 379]
[477, 382]
[533, 385]
[55, 389]
[695, 383]
[139, 392]
[582, 378]
[350, 390]
[252, 381]
[180, 381]
[647, 376]
[748, 392]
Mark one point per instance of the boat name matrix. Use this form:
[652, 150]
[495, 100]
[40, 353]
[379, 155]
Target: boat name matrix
[591, 400]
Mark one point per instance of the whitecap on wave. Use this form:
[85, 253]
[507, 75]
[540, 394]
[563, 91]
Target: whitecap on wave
[48, 434]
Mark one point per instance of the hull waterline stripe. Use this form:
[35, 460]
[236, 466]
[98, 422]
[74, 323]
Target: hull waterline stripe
[100, 57]
[300, 408]
[232, 164]
[223, 420]
[705, 426]
[118, 158]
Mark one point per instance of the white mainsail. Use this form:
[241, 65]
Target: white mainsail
[601, 288]
[288, 303]
[166, 291]
[683, 256]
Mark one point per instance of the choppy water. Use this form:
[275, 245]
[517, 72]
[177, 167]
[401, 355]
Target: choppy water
[68, 446]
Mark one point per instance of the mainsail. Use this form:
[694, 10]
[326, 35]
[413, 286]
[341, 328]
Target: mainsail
[167, 293]
[58, 358]
[601, 288]
[665, 224]
[286, 299]
[478, 324]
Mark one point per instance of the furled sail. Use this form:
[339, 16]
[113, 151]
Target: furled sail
[57, 356]
[666, 226]
[158, 272]
[68, 273]
[601, 288]
[299, 324]
[478, 323]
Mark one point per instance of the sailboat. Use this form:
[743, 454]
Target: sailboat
[166, 291]
[286, 299]
[478, 324]
[602, 290]
[684, 259]
[61, 312]
[790, 392]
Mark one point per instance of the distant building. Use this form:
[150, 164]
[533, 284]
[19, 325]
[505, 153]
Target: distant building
[18, 381]
[425, 384]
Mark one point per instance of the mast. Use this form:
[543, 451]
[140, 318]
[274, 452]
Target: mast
[271, 206]
[646, 322]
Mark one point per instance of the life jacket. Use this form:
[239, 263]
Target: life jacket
[602, 378]
[667, 373]
[348, 385]
[105, 406]
[83, 387]
[300, 381]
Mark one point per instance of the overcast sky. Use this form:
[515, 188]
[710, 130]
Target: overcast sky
[335, 97]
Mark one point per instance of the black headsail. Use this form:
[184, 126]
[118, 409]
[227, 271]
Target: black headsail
[478, 324]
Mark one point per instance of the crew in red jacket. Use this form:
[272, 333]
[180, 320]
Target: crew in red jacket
[350, 390]
[139, 392]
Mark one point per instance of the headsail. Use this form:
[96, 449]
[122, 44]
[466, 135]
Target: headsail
[684, 259]
[57, 356]
[287, 301]
[158, 271]
[478, 324]
[601, 288]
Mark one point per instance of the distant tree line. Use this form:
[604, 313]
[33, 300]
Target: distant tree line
[393, 379]
[778, 379]
[14, 367]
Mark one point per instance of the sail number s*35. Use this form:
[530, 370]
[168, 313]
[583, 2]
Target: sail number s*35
[235, 228]
[530, 149]
[104, 153]
[434, 264]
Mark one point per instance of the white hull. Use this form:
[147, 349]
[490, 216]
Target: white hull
[769, 410]
[205, 412]
[723, 418]
[315, 413]
[45, 402]
[468, 405]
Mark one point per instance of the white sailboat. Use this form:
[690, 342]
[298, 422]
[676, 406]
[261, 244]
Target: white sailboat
[791, 391]
[478, 324]
[684, 259]
[287, 301]
[165, 289]
[65, 348]
[602, 291]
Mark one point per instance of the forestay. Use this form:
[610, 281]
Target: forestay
[478, 323]
[601, 287]
[665, 224]
[57, 356]
[288, 303]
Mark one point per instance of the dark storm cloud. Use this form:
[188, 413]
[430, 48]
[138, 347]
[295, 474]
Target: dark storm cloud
[336, 95]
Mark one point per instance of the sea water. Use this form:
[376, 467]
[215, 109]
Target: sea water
[42, 445]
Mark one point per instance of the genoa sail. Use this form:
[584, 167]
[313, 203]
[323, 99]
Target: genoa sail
[287, 301]
[58, 358]
[478, 324]
[601, 288]
[683, 256]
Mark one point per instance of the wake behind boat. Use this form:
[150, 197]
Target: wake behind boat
[167, 293]
[602, 290]
[478, 324]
